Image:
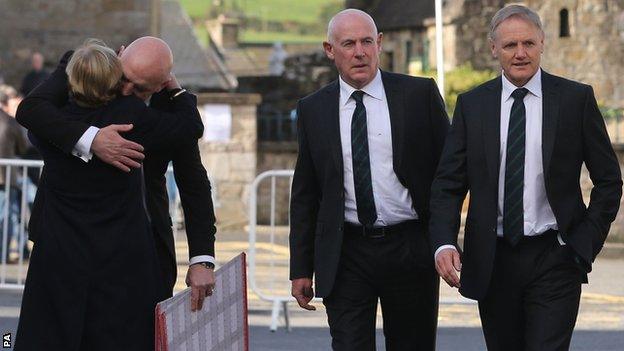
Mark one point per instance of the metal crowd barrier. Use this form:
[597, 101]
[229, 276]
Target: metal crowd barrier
[13, 269]
[273, 283]
[263, 279]
[13, 272]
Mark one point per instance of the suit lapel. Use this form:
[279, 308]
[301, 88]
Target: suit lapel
[491, 126]
[396, 108]
[332, 113]
[550, 118]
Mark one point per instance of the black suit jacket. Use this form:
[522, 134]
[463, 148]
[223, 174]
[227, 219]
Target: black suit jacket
[573, 133]
[419, 125]
[39, 113]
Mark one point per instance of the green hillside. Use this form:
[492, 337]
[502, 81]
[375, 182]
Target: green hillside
[302, 11]
[293, 21]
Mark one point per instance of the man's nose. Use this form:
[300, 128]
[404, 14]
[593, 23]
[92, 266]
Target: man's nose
[521, 51]
[359, 50]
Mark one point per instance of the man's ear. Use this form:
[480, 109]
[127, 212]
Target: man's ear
[329, 50]
[493, 48]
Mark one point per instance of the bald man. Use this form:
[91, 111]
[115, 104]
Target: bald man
[369, 144]
[36, 75]
[147, 64]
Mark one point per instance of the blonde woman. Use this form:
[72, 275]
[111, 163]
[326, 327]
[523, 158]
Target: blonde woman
[93, 279]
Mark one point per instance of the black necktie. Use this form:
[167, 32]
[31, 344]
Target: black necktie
[365, 202]
[513, 207]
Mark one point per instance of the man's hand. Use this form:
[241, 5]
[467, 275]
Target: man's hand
[448, 263]
[201, 280]
[303, 292]
[111, 148]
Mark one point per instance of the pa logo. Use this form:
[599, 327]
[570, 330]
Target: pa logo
[6, 341]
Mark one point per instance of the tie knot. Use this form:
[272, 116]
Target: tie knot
[519, 93]
[357, 96]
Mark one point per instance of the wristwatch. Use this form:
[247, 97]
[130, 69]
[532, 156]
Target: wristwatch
[208, 265]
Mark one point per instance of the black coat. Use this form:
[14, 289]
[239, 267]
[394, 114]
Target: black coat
[94, 272]
[418, 126]
[573, 133]
[40, 113]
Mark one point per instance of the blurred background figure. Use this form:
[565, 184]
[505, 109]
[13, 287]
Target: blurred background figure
[37, 75]
[12, 144]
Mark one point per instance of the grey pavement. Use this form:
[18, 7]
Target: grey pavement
[600, 325]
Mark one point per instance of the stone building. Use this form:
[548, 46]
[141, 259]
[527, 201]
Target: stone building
[584, 38]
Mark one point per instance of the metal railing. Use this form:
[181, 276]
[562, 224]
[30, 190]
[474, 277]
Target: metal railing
[13, 272]
[277, 126]
[13, 269]
[274, 284]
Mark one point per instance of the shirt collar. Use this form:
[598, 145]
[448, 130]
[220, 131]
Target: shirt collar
[373, 89]
[534, 85]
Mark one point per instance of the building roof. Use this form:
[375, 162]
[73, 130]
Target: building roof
[195, 67]
[397, 14]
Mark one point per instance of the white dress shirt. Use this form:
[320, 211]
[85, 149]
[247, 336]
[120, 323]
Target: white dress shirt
[392, 200]
[82, 150]
[538, 215]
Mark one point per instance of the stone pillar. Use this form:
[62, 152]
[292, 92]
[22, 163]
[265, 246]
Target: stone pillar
[224, 31]
[231, 165]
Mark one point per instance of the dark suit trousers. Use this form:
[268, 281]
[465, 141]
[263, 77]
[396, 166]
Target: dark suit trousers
[533, 298]
[398, 270]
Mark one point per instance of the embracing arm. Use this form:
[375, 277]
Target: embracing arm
[157, 129]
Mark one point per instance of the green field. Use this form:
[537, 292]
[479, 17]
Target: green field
[301, 14]
[250, 36]
[302, 11]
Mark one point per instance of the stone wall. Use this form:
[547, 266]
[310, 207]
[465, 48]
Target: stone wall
[232, 164]
[594, 51]
[53, 27]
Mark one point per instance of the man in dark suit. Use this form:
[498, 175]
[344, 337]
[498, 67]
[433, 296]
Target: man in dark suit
[147, 64]
[517, 144]
[35, 76]
[369, 144]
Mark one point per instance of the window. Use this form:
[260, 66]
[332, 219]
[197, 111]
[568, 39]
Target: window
[564, 23]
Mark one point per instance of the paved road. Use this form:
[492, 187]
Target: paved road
[600, 325]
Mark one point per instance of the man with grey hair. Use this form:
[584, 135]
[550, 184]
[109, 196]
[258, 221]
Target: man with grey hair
[517, 144]
[369, 144]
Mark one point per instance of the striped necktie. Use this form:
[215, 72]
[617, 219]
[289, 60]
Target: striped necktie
[367, 213]
[513, 208]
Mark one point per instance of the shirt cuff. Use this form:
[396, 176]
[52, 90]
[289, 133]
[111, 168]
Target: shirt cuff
[560, 239]
[82, 149]
[201, 258]
[435, 255]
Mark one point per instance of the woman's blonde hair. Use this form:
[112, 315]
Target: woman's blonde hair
[94, 73]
